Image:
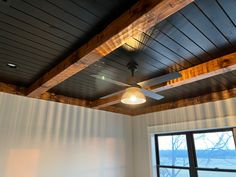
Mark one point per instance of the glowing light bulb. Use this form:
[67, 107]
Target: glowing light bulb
[133, 98]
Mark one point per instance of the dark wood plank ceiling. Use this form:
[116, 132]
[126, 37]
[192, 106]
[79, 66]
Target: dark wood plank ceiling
[200, 32]
[36, 35]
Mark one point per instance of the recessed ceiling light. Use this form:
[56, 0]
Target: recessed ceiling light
[11, 65]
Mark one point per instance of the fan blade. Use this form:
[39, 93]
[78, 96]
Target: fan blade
[151, 94]
[110, 80]
[161, 79]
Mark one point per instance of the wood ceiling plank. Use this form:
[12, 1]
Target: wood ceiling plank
[219, 18]
[33, 26]
[197, 17]
[202, 71]
[142, 16]
[174, 38]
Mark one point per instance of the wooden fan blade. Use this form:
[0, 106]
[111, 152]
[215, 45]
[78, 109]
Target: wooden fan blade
[160, 79]
[110, 80]
[151, 94]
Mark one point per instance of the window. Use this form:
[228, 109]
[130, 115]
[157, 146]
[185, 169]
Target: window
[173, 150]
[215, 150]
[196, 154]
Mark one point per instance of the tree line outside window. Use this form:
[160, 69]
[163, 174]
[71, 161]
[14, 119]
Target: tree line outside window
[210, 153]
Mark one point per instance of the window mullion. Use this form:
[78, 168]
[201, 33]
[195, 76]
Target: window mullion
[157, 156]
[192, 155]
[234, 135]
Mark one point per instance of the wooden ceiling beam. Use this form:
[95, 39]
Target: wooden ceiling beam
[141, 17]
[64, 99]
[202, 71]
[12, 89]
[214, 96]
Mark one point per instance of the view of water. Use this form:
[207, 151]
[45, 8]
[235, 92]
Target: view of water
[213, 150]
[185, 173]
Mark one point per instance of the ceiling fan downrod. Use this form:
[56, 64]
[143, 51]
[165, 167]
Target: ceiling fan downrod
[132, 66]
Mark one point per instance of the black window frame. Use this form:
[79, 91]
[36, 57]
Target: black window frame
[193, 167]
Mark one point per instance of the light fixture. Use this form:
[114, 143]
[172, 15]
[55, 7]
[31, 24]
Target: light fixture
[11, 65]
[133, 96]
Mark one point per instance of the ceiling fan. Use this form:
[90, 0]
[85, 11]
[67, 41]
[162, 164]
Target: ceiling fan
[135, 93]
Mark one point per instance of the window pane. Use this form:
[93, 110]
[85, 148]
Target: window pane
[171, 172]
[215, 150]
[215, 174]
[173, 150]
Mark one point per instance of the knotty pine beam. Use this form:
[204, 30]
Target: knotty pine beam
[205, 70]
[214, 96]
[64, 99]
[202, 71]
[12, 89]
[141, 17]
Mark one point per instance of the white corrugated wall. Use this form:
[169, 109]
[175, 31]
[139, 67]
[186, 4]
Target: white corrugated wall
[63, 140]
[58, 140]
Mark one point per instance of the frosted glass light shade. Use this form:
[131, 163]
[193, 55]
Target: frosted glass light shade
[133, 95]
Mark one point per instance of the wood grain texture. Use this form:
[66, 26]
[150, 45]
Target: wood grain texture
[202, 71]
[64, 99]
[12, 89]
[142, 16]
[214, 96]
